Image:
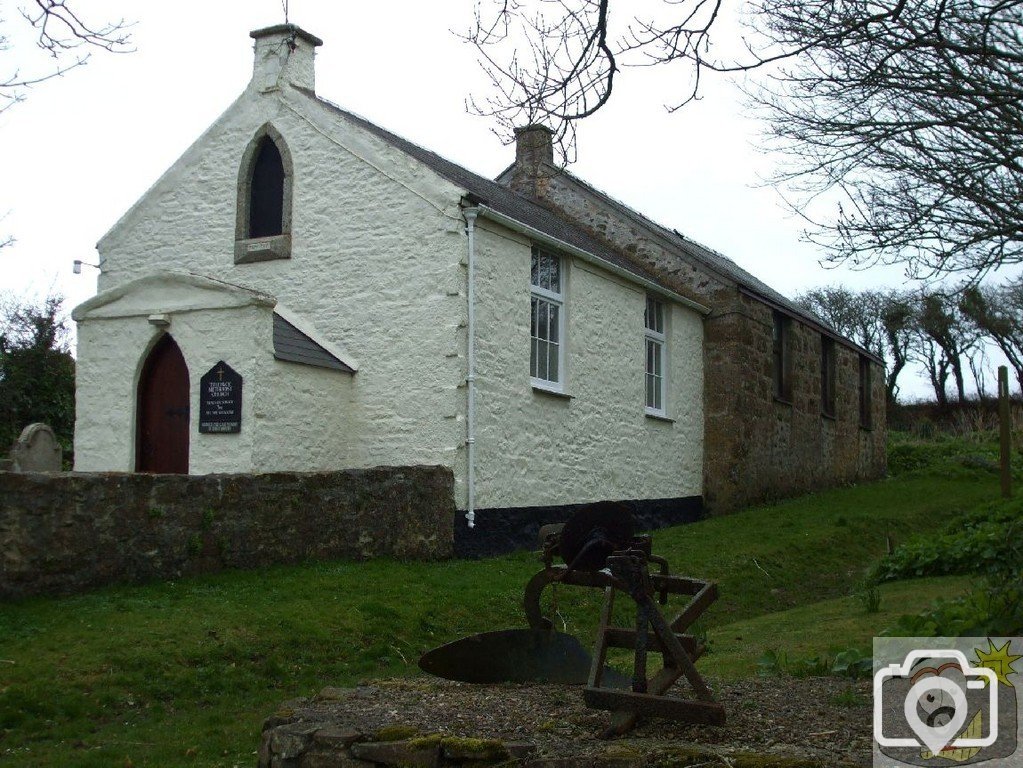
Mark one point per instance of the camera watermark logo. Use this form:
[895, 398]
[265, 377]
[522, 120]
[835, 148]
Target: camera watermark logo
[946, 701]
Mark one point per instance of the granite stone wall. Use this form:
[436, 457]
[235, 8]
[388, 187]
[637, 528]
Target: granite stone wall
[762, 448]
[64, 533]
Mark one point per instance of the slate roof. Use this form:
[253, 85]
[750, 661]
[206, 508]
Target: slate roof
[531, 213]
[497, 196]
[292, 345]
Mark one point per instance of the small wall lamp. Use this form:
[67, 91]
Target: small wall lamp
[77, 264]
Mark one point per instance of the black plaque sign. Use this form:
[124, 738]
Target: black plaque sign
[220, 400]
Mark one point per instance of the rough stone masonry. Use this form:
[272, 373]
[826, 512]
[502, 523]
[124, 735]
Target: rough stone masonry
[64, 533]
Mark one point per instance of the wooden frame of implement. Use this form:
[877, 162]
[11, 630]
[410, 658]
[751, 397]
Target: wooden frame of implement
[628, 571]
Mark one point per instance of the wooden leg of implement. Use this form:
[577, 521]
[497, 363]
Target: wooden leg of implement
[648, 696]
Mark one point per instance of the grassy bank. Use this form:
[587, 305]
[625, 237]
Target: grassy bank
[183, 673]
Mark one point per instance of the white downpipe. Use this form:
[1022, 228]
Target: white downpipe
[470, 441]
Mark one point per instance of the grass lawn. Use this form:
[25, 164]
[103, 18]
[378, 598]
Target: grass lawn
[817, 629]
[184, 673]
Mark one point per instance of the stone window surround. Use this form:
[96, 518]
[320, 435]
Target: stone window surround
[553, 298]
[252, 249]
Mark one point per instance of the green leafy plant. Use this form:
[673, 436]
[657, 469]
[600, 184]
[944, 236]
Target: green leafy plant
[847, 698]
[986, 543]
[869, 596]
[848, 663]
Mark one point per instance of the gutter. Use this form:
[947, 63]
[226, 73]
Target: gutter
[541, 237]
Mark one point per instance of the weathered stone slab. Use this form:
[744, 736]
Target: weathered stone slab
[331, 759]
[290, 741]
[337, 737]
[36, 450]
[415, 753]
[519, 749]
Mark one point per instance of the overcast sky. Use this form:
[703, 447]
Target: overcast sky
[81, 149]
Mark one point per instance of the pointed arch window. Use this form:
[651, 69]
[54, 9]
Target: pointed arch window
[266, 193]
[263, 230]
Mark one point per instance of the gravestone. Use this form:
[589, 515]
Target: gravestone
[37, 450]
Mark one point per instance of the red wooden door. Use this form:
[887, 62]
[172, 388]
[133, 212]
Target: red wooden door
[163, 424]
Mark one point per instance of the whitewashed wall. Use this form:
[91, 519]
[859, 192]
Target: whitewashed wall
[118, 340]
[536, 449]
[377, 265]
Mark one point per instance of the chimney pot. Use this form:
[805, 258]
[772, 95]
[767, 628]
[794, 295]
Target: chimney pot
[284, 53]
[534, 144]
[534, 149]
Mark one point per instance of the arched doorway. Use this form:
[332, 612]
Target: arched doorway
[161, 443]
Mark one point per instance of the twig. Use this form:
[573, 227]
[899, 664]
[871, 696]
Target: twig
[764, 572]
[397, 650]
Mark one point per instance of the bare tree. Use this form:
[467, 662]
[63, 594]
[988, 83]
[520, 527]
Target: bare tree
[935, 363]
[848, 312]
[997, 312]
[882, 322]
[941, 322]
[898, 321]
[906, 116]
[913, 122]
[67, 37]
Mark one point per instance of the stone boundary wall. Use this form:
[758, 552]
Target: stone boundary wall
[65, 533]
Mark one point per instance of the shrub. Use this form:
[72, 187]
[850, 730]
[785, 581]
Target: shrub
[986, 542]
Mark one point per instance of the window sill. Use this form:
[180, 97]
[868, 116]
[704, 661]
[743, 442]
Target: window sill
[556, 393]
[782, 401]
[867, 427]
[659, 417]
[828, 416]
[253, 249]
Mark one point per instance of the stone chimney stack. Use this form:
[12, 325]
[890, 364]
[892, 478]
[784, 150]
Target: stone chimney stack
[534, 159]
[284, 55]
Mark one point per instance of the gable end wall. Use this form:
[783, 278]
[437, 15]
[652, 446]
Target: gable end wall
[377, 266]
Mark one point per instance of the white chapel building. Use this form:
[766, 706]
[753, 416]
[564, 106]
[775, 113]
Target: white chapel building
[303, 290]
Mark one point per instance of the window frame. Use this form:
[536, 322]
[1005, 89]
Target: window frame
[558, 299]
[654, 338]
[252, 249]
[829, 389]
[781, 373]
[866, 395]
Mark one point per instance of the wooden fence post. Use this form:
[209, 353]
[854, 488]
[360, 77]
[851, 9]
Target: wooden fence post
[1004, 422]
